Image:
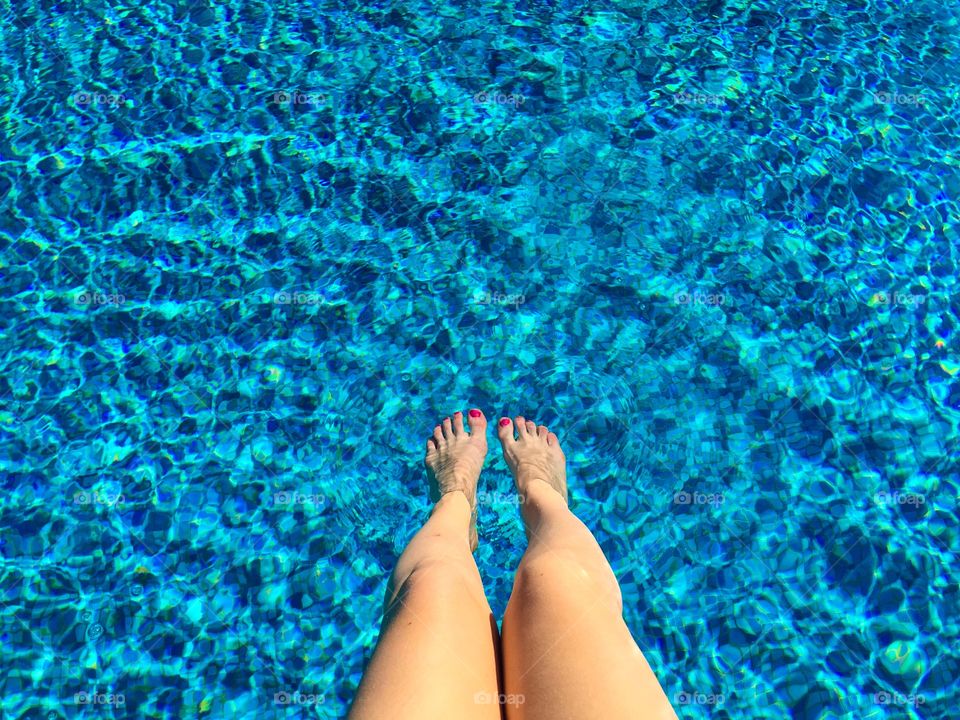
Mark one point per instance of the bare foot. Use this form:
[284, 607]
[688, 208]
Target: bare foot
[534, 454]
[454, 458]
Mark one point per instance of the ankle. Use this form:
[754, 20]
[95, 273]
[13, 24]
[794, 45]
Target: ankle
[538, 491]
[457, 498]
[539, 503]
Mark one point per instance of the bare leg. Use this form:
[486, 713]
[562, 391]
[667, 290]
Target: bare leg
[437, 652]
[567, 653]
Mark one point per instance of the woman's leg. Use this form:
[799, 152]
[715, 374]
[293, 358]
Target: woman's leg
[567, 653]
[437, 652]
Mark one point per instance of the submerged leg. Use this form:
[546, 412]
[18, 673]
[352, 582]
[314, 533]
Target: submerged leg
[437, 652]
[567, 652]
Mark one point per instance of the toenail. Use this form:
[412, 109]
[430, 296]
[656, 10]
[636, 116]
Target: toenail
[504, 422]
[474, 413]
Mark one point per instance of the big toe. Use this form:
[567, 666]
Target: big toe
[505, 431]
[477, 422]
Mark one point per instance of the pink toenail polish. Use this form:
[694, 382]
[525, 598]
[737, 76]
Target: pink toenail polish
[474, 413]
[504, 421]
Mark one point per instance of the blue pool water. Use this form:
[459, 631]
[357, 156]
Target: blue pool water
[251, 252]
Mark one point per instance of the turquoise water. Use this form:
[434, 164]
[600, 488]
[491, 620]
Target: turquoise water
[252, 252]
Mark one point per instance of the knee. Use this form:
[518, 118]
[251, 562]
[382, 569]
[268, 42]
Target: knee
[436, 583]
[564, 577]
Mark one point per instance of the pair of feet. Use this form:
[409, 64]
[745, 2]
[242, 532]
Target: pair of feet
[455, 457]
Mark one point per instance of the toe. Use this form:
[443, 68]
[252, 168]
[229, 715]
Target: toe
[521, 426]
[447, 428]
[431, 447]
[505, 431]
[458, 423]
[542, 431]
[477, 422]
[531, 428]
[438, 436]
